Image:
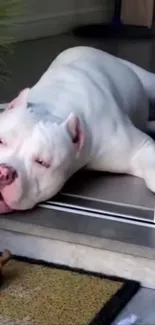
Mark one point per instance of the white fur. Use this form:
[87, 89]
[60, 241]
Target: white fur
[87, 95]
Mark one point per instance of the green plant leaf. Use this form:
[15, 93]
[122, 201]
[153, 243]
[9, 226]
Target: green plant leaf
[10, 10]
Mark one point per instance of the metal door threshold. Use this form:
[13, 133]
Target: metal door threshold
[104, 208]
[95, 214]
[91, 206]
[118, 196]
[81, 223]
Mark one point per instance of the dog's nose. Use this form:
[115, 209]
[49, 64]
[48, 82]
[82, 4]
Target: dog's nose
[7, 175]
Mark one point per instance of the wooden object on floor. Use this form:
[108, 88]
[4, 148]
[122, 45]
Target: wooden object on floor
[4, 258]
[137, 12]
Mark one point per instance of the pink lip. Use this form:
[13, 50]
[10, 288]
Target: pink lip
[4, 208]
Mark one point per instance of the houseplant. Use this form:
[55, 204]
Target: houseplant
[9, 11]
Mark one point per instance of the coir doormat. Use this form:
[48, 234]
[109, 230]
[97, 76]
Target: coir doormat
[39, 293]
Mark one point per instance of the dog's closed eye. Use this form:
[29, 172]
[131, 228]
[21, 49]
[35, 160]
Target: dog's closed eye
[2, 142]
[42, 162]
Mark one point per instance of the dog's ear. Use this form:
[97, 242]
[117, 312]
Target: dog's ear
[75, 130]
[20, 100]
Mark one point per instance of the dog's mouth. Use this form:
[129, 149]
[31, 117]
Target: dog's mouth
[4, 208]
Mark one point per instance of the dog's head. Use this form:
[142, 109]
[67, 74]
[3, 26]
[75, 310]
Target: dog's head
[36, 155]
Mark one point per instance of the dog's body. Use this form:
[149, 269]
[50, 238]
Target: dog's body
[89, 110]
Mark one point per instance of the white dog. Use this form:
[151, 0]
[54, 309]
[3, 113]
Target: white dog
[90, 109]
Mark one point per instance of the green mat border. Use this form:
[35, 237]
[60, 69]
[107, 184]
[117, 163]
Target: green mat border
[112, 308]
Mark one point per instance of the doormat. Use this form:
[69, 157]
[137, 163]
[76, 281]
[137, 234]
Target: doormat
[40, 293]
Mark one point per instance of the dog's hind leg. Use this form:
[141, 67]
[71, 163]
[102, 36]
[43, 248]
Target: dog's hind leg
[147, 79]
[143, 163]
[131, 152]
